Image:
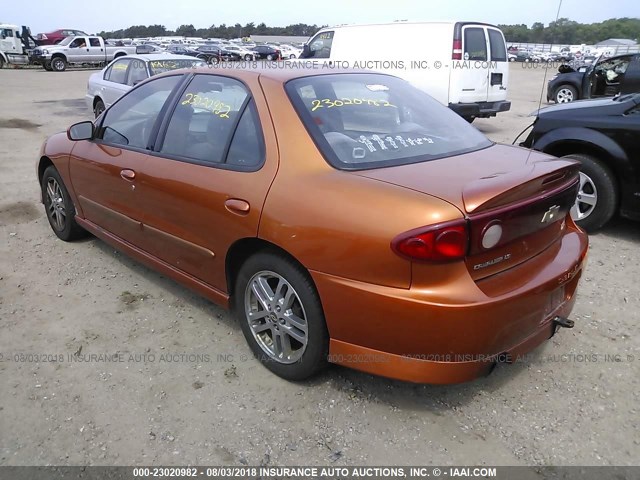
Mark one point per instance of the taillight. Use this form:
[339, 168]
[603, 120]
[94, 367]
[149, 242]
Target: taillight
[444, 242]
[456, 53]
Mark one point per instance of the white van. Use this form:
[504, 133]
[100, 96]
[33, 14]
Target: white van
[461, 64]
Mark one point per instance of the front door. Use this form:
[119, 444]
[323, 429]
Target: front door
[105, 170]
[205, 186]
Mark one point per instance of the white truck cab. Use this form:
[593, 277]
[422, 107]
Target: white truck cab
[463, 65]
[12, 47]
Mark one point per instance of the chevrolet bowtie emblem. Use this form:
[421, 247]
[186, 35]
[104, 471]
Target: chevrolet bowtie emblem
[551, 214]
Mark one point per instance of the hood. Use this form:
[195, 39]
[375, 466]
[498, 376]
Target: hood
[616, 105]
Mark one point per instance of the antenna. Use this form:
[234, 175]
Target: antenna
[544, 82]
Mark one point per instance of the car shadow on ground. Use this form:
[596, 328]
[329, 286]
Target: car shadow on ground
[350, 382]
[622, 228]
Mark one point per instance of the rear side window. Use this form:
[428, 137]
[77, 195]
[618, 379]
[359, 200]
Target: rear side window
[205, 120]
[94, 42]
[362, 121]
[118, 72]
[496, 41]
[475, 45]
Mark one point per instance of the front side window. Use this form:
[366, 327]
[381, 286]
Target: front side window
[496, 41]
[7, 33]
[320, 46]
[364, 121]
[475, 44]
[205, 119]
[78, 43]
[117, 73]
[131, 119]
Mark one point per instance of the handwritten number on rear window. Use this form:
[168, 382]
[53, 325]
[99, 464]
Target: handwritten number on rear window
[316, 104]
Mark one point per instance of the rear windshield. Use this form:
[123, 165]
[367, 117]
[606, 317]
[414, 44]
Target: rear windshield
[362, 121]
[161, 66]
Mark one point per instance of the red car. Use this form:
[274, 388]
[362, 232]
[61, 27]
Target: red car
[55, 37]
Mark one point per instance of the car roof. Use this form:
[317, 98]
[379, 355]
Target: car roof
[278, 74]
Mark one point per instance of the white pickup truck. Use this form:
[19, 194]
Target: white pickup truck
[77, 51]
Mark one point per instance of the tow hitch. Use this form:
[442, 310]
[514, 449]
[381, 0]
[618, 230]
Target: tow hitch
[563, 322]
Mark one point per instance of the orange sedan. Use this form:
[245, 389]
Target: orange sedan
[345, 217]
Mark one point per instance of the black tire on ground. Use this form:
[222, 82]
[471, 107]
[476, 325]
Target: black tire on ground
[47, 66]
[98, 108]
[58, 205]
[469, 119]
[306, 306]
[1, 61]
[58, 64]
[565, 94]
[269, 57]
[606, 191]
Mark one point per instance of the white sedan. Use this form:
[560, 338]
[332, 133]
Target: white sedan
[121, 75]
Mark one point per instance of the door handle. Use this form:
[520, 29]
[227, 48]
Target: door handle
[237, 206]
[128, 175]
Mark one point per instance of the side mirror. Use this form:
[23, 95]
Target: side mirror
[306, 50]
[80, 131]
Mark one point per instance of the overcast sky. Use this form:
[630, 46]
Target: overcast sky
[94, 16]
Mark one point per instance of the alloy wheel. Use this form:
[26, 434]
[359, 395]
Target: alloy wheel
[564, 95]
[56, 209]
[276, 317]
[586, 200]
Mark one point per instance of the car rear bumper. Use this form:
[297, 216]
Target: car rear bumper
[412, 335]
[480, 109]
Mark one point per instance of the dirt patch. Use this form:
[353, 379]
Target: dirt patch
[19, 123]
[131, 300]
[18, 212]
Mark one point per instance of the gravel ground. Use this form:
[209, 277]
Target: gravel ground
[185, 389]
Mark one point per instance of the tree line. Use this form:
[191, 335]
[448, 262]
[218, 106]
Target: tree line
[561, 31]
[219, 31]
[565, 31]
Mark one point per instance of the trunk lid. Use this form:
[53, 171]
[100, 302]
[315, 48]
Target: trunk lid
[525, 194]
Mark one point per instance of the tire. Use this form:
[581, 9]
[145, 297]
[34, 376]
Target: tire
[307, 350]
[565, 94]
[1, 61]
[248, 58]
[469, 119]
[47, 66]
[269, 57]
[58, 64]
[59, 207]
[98, 108]
[597, 200]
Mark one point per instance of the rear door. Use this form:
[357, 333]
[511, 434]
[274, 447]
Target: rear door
[470, 74]
[96, 50]
[498, 66]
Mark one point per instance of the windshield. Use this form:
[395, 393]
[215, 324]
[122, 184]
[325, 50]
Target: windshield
[66, 41]
[161, 66]
[364, 121]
